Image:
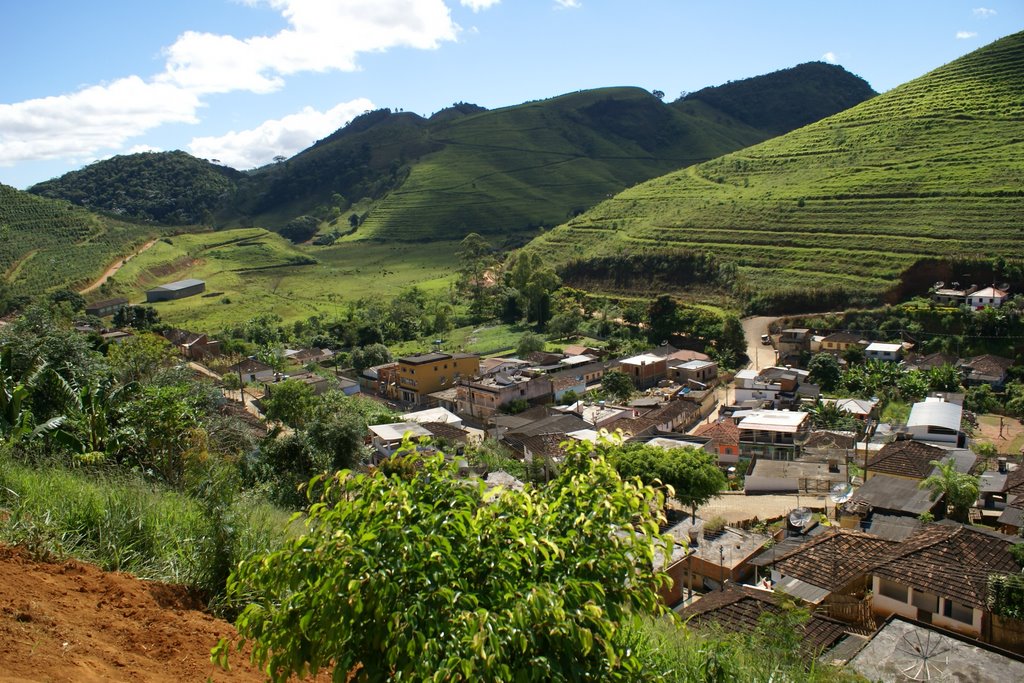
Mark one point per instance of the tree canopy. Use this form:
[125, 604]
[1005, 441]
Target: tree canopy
[428, 578]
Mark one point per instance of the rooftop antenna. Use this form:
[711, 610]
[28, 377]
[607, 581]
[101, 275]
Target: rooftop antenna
[799, 517]
[839, 494]
[924, 656]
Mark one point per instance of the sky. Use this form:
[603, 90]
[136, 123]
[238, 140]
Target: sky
[243, 81]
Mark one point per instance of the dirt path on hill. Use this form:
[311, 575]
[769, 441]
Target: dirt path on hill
[116, 266]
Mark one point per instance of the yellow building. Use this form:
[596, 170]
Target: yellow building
[426, 373]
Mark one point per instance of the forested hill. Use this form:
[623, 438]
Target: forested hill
[172, 188]
[787, 99]
[933, 168]
[403, 176]
[48, 245]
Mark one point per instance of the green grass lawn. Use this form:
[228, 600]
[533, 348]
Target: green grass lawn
[250, 271]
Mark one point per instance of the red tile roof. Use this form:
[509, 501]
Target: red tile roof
[831, 560]
[906, 459]
[951, 560]
[738, 609]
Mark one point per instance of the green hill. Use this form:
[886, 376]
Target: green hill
[787, 99]
[931, 169]
[173, 188]
[48, 245]
[406, 177]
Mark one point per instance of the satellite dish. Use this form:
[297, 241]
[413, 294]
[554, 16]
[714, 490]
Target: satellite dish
[841, 492]
[799, 517]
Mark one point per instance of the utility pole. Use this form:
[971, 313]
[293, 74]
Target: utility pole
[721, 563]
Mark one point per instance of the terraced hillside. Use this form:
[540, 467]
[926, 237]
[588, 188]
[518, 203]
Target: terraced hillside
[933, 168]
[48, 245]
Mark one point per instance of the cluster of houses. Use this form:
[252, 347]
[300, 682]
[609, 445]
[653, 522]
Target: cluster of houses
[526, 402]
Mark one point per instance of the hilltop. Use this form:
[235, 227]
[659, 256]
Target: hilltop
[173, 188]
[931, 169]
[401, 176]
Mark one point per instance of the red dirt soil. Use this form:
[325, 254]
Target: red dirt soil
[71, 621]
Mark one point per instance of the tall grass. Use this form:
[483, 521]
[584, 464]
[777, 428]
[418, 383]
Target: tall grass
[121, 522]
[674, 653]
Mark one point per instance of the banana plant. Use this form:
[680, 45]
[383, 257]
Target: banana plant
[16, 419]
[93, 407]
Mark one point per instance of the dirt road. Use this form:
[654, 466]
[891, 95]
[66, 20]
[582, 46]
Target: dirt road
[761, 355]
[116, 266]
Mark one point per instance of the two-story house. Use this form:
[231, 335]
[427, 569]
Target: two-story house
[422, 374]
[482, 397]
[771, 434]
[646, 369]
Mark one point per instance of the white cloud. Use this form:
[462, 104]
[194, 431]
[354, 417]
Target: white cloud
[964, 35]
[830, 57]
[285, 136]
[100, 117]
[984, 12]
[568, 4]
[139, 149]
[477, 5]
[321, 36]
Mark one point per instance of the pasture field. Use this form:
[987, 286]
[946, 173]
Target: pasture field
[250, 271]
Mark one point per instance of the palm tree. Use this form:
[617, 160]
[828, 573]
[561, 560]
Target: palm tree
[959, 490]
[828, 415]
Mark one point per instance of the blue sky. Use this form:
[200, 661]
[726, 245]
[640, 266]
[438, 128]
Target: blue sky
[242, 81]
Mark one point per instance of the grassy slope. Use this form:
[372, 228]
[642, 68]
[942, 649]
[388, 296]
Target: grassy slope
[533, 164]
[48, 245]
[932, 168]
[250, 271]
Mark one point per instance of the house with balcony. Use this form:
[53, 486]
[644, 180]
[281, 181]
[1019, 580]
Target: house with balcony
[783, 387]
[772, 434]
[422, 374]
[483, 397]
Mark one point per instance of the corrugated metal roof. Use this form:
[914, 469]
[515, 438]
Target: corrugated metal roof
[936, 413]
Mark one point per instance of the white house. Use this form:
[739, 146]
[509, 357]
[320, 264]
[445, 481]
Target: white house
[937, 421]
[989, 296]
[882, 351]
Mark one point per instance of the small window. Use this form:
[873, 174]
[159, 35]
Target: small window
[892, 590]
[925, 601]
[957, 612]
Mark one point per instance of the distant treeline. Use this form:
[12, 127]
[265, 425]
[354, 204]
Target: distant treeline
[645, 271]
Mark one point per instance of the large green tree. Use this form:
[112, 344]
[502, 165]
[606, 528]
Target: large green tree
[424, 577]
[691, 472]
[617, 385]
